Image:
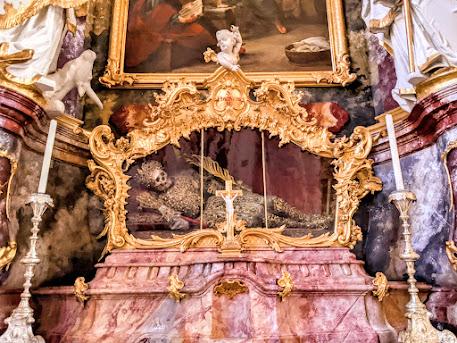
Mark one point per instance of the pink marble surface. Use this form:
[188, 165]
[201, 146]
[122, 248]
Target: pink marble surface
[58, 312]
[331, 300]
[442, 303]
[8, 301]
[129, 300]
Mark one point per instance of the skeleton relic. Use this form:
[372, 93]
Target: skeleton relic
[177, 199]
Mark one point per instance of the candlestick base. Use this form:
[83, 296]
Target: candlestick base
[420, 329]
[20, 322]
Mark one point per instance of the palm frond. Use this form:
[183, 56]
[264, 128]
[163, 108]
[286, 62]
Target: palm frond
[211, 167]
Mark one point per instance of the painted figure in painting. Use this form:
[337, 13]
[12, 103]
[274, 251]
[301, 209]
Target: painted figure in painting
[268, 12]
[177, 199]
[166, 33]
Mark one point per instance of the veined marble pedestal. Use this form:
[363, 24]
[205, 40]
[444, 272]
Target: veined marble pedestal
[129, 300]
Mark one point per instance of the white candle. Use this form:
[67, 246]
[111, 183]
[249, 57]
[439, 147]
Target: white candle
[47, 157]
[394, 153]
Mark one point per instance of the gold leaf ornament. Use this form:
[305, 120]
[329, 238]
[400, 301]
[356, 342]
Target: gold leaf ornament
[182, 109]
[230, 288]
[174, 287]
[286, 283]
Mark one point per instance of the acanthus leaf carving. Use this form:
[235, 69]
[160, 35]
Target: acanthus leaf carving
[227, 104]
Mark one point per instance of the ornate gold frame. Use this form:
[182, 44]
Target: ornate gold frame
[227, 104]
[340, 75]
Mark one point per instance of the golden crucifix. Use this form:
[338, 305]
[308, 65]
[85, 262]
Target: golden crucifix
[229, 195]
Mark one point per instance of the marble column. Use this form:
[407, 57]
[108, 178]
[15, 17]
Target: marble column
[422, 138]
[16, 112]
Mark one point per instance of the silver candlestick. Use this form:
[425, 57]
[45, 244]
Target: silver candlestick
[419, 329]
[20, 322]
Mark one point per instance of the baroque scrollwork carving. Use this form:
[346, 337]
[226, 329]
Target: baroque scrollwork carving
[341, 75]
[230, 288]
[286, 283]
[227, 105]
[80, 289]
[113, 76]
[381, 285]
[13, 168]
[7, 255]
[174, 287]
[451, 248]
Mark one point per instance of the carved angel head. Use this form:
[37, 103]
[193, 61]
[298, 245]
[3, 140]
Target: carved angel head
[226, 40]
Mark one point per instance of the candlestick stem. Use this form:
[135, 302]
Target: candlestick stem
[20, 322]
[419, 329]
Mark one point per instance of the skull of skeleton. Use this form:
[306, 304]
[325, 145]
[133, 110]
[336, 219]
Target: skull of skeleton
[160, 180]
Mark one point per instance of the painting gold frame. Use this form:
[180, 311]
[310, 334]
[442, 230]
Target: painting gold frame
[227, 104]
[340, 75]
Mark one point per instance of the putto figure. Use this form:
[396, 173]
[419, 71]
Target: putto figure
[230, 44]
[77, 74]
[229, 41]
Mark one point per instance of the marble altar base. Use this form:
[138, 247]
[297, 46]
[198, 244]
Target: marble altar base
[129, 300]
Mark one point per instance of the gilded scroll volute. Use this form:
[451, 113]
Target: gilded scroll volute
[230, 288]
[182, 109]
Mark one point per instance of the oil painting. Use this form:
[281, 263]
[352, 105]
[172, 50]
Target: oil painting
[153, 41]
[171, 36]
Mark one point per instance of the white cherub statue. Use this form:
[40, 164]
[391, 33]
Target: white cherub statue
[75, 73]
[230, 44]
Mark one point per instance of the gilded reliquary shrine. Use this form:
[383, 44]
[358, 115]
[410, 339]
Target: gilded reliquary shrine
[186, 183]
[214, 171]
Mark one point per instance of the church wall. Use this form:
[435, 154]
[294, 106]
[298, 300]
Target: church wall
[382, 75]
[431, 218]
[72, 47]
[67, 245]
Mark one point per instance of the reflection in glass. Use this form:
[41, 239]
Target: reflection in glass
[165, 188]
